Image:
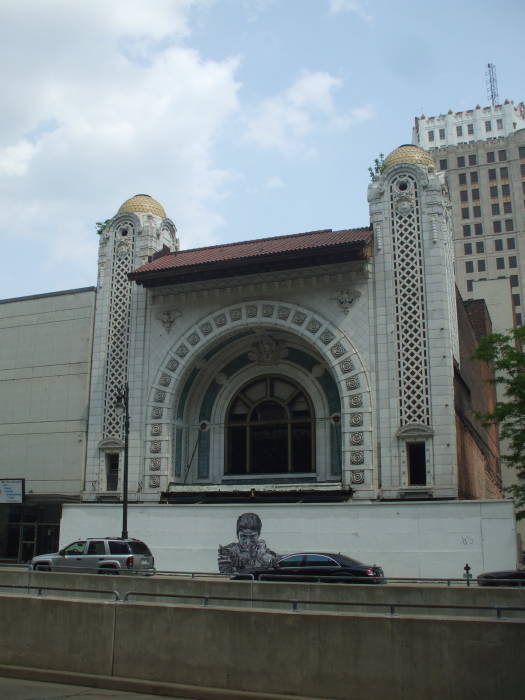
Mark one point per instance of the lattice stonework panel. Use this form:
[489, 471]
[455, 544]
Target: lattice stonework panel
[118, 330]
[409, 292]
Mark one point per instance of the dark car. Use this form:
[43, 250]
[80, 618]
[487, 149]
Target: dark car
[513, 577]
[321, 567]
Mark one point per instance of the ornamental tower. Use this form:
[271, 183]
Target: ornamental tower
[138, 230]
[416, 327]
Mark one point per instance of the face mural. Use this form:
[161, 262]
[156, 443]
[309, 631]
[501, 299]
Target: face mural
[250, 552]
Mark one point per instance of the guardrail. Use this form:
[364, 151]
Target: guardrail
[387, 608]
[95, 591]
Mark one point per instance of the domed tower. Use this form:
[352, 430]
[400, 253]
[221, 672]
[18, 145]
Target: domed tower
[416, 326]
[138, 230]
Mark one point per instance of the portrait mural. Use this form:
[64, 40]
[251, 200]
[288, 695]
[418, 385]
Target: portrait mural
[249, 552]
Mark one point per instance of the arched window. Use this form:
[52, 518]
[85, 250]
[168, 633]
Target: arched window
[270, 429]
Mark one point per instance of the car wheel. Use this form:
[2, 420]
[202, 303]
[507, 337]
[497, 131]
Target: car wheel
[42, 567]
[108, 571]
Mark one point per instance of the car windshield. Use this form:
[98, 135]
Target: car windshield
[139, 548]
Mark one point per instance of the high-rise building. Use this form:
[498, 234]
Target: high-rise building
[482, 150]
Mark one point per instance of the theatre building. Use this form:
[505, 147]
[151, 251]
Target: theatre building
[320, 380]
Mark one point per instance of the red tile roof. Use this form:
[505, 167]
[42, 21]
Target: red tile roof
[261, 247]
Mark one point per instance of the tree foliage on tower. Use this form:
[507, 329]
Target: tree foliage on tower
[505, 353]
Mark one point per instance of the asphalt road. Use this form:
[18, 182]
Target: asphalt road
[17, 689]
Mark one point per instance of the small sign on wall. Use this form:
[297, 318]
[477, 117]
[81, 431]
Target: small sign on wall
[12, 490]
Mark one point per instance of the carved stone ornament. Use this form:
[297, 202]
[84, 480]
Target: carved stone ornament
[357, 476]
[268, 351]
[168, 317]
[404, 197]
[345, 298]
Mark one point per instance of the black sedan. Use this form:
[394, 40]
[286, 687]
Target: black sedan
[314, 567]
[513, 577]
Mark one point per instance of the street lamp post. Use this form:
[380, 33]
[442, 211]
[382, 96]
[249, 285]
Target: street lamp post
[122, 404]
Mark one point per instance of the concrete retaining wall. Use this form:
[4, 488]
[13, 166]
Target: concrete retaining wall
[322, 655]
[245, 592]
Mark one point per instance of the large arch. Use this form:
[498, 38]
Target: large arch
[192, 349]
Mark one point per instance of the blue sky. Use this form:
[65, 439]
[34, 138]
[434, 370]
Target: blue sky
[244, 118]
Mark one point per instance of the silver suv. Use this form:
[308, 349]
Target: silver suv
[101, 555]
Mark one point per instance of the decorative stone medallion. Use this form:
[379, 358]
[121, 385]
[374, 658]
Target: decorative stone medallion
[357, 476]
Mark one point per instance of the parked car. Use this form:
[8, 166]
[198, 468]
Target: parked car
[322, 567]
[513, 577]
[99, 555]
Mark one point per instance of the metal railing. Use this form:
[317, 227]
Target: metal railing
[39, 589]
[303, 605]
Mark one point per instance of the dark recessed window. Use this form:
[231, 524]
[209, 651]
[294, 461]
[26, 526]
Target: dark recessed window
[417, 469]
[499, 123]
[473, 177]
[469, 266]
[495, 209]
[516, 300]
[488, 126]
[467, 248]
[430, 135]
[270, 429]
[470, 285]
[522, 170]
[502, 155]
[500, 263]
[466, 230]
[442, 134]
[478, 229]
[504, 173]
[511, 243]
[443, 164]
[463, 196]
[465, 213]
[475, 193]
[461, 161]
[492, 173]
[111, 472]
[498, 244]
[521, 151]
[476, 212]
[507, 207]
[480, 247]
[496, 226]
[459, 131]
[494, 191]
[462, 178]
[490, 157]
[509, 224]
[470, 128]
[518, 320]
[513, 261]
[472, 159]
[514, 281]
[481, 266]
[505, 190]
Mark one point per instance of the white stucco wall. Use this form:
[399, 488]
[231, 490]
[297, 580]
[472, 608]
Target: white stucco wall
[407, 539]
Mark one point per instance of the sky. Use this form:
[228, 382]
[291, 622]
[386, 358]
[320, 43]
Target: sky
[243, 118]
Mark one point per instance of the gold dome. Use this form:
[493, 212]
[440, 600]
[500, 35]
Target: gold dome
[408, 154]
[143, 203]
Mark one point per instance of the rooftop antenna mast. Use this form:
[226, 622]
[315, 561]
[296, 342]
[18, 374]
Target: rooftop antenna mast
[492, 84]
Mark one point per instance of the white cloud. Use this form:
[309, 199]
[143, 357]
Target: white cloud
[84, 126]
[15, 159]
[285, 120]
[274, 183]
[358, 7]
